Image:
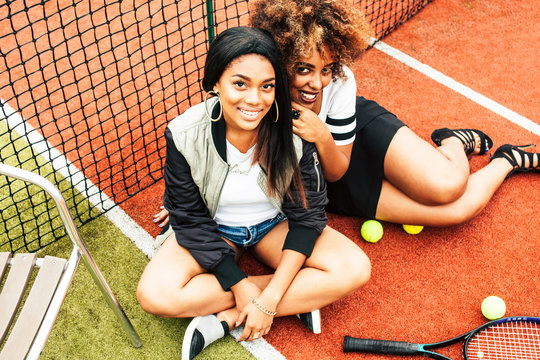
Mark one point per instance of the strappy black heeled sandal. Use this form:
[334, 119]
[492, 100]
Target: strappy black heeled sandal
[467, 138]
[507, 152]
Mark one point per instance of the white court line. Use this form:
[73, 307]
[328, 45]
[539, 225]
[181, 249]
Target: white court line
[459, 88]
[261, 349]
[62, 165]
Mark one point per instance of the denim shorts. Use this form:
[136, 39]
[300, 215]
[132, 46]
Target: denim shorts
[247, 236]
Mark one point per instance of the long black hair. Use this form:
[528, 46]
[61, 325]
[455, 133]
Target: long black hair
[275, 149]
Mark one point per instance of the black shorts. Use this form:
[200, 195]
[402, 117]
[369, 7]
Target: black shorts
[357, 192]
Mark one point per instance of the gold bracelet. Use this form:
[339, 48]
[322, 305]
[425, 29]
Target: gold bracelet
[262, 308]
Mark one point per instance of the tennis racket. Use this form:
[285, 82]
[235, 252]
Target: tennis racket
[510, 338]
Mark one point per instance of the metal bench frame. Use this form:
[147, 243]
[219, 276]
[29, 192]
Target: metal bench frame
[32, 327]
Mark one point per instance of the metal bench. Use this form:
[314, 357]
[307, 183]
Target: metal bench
[31, 327]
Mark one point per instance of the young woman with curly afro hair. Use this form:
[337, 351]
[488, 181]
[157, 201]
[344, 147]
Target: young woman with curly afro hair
[376, 166]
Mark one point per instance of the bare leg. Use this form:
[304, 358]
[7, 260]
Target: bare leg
[174, 285]
[424, 173]
[337, 265]
[395, 206]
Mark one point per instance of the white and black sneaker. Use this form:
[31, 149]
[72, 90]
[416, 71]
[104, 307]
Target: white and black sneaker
[160, 239]
[312, 320]
[201, 332]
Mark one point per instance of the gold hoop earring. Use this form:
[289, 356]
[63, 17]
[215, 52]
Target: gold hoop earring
[215, 93]
[277, 112]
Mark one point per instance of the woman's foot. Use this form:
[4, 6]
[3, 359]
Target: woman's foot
[520, 160]
[474, 141]
[201, 332]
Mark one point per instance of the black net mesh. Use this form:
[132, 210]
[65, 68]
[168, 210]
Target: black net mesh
[386, 15]
[95, 82]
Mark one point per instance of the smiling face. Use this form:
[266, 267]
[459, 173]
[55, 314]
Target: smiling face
[310, 76]
[247, 91]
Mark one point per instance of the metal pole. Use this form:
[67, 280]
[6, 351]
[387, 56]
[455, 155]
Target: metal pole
[210, 21]
[73, 234]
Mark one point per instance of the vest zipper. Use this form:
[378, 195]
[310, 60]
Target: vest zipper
[315, 164]
[220, 190]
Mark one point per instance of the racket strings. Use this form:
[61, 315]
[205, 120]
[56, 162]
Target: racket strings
[506, 341]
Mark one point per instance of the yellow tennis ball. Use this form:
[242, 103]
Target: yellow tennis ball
[493, 307]
[413, 229]
[372, 231]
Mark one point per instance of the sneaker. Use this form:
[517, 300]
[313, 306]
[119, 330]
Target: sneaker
[312, 320]
[160, 239]
[201, 332]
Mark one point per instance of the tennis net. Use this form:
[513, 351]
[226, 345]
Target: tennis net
[87, 88]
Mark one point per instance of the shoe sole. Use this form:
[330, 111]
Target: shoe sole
[316, 322]
[186, 345]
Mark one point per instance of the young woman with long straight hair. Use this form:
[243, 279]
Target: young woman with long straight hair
[237, 179]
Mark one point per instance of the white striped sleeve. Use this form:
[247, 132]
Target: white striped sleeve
[341, 118]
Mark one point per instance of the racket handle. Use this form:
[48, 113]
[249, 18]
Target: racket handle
[351, 344]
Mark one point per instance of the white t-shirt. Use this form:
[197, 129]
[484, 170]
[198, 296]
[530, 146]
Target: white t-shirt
[338, 108]
[242, 201]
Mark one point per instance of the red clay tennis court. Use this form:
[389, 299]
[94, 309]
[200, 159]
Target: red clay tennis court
[429, 287]
[424, 288]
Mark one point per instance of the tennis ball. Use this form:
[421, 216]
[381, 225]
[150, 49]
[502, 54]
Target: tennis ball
[372, 231]
[493, 307]
[413, 229]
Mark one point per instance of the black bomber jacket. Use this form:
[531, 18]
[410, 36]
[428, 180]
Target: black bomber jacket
[196, 230]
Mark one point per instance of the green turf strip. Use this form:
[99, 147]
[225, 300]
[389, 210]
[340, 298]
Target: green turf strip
[86, 328]
[26, 206]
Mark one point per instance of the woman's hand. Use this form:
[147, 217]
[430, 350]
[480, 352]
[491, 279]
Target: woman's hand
[257, 323]
[334, 159]
[309, 127]
[162, 217]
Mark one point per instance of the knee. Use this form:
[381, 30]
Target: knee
[353, 271]
[361, 271]
[447, 187]
[146, 296]
[154, 300]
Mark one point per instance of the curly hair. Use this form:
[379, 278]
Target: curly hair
[299, 26]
